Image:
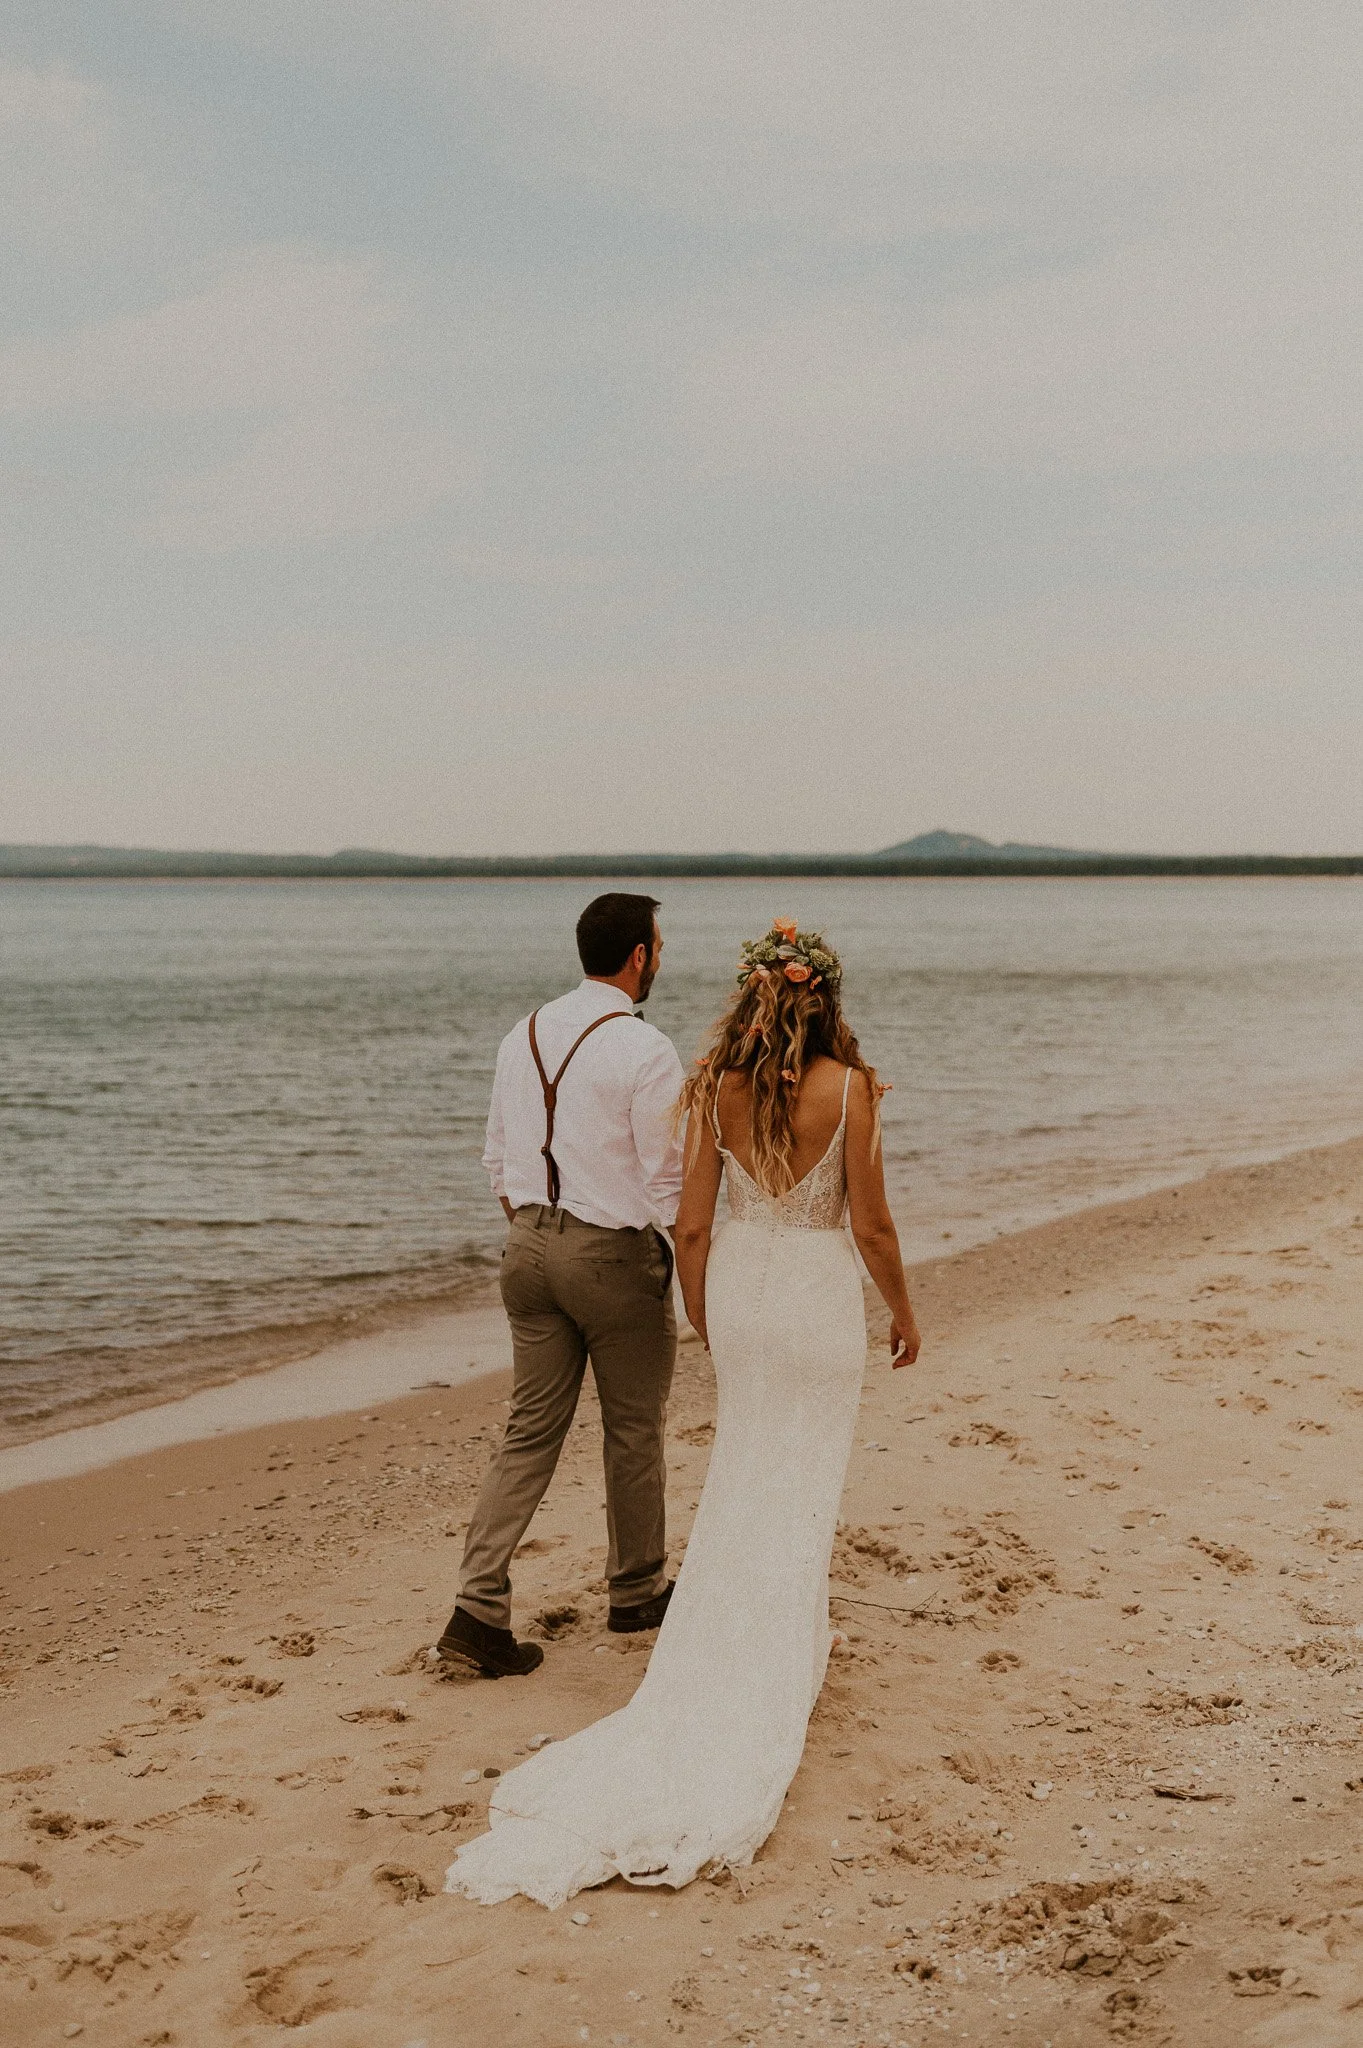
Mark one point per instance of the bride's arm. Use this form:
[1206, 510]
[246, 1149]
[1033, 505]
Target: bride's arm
[695, 1219]
[872, 1224]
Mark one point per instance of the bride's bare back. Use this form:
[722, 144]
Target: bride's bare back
[817, 1112]
[815, 1117]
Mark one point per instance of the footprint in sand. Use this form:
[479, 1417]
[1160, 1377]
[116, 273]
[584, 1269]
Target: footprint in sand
[215, 1805]
[21, 1882]
[553, 1623]
[62, 1826]
[975, 1767]
[419, 1659]
[404, 1886]
[982, 1435]
[1195, 1710]
[858, 1550]
[322, 1770]
[315, 1981]
[121, 1948]
[302, 1643]
[252, 1688]
[114, 1844]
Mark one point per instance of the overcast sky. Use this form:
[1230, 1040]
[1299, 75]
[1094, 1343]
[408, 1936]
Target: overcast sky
[692, 424]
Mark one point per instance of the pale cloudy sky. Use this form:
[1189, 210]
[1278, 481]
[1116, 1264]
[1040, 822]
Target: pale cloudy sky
[570, 424]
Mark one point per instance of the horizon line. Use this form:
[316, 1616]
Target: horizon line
[92, 862]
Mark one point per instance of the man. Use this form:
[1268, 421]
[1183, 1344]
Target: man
[583, 1155]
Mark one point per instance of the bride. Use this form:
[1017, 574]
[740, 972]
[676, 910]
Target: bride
[692, 1773]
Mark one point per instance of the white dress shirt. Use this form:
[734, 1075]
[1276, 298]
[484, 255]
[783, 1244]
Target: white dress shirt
[619, 1158]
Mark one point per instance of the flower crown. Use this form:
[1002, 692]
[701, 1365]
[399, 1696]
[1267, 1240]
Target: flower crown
[802, 957]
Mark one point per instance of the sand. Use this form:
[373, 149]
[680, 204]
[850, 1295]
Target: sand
[1087, 1767]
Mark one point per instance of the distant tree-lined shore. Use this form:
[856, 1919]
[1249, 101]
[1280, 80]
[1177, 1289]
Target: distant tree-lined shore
[926, 856]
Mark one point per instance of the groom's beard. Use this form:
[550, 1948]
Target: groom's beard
[646, 981]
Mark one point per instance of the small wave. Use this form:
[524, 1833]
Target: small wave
[243, 1223]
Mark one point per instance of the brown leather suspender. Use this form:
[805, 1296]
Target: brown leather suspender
[551, 1095]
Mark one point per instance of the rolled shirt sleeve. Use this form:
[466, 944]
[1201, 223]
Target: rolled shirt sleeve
[656, 1138]
[494, 1150]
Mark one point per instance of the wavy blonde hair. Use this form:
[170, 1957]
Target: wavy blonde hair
[771, 1032]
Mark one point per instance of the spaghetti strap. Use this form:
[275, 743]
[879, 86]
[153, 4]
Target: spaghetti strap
[846, 1084]
[714, 1109]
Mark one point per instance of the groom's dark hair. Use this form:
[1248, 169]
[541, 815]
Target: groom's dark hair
[610, 928]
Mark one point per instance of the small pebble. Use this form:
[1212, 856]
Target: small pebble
[582, 1919]
[492, 1772]
[71, 2029]
[59, 1905]
[470, 1777]
[538, 1741]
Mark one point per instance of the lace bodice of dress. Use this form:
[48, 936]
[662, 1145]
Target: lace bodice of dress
[818, 1202]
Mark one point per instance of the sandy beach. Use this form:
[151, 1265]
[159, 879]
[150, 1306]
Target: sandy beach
[1088, 1765]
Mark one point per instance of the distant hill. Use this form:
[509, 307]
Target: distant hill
[943, 845]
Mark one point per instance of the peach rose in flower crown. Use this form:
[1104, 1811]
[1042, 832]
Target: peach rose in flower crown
[797, 971]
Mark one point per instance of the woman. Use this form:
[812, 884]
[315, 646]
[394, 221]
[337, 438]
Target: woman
[692, 1773]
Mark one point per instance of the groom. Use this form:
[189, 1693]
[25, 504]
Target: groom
[583, 1155]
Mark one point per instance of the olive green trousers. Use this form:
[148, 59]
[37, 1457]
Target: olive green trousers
[575, 1292]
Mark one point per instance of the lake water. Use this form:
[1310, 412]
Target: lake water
[232, 1109]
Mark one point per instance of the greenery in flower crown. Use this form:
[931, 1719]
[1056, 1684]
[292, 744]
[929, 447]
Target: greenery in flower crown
[802, 957]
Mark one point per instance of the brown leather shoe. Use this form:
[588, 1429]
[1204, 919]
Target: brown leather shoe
[628, 1621]
[494, 1650]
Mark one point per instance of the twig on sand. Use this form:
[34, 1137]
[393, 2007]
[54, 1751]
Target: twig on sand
[886, 1606]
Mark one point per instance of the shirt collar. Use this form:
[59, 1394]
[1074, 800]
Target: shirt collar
[604, 997]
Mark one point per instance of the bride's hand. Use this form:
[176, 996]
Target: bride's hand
[904, 1344]
[697, 1322]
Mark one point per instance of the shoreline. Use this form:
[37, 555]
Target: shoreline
[173, 867]
[185, 1367]
[1088, 1763]
[345, 1373]
[456, 1348]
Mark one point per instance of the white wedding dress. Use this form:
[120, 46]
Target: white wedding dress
[692, 1773]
